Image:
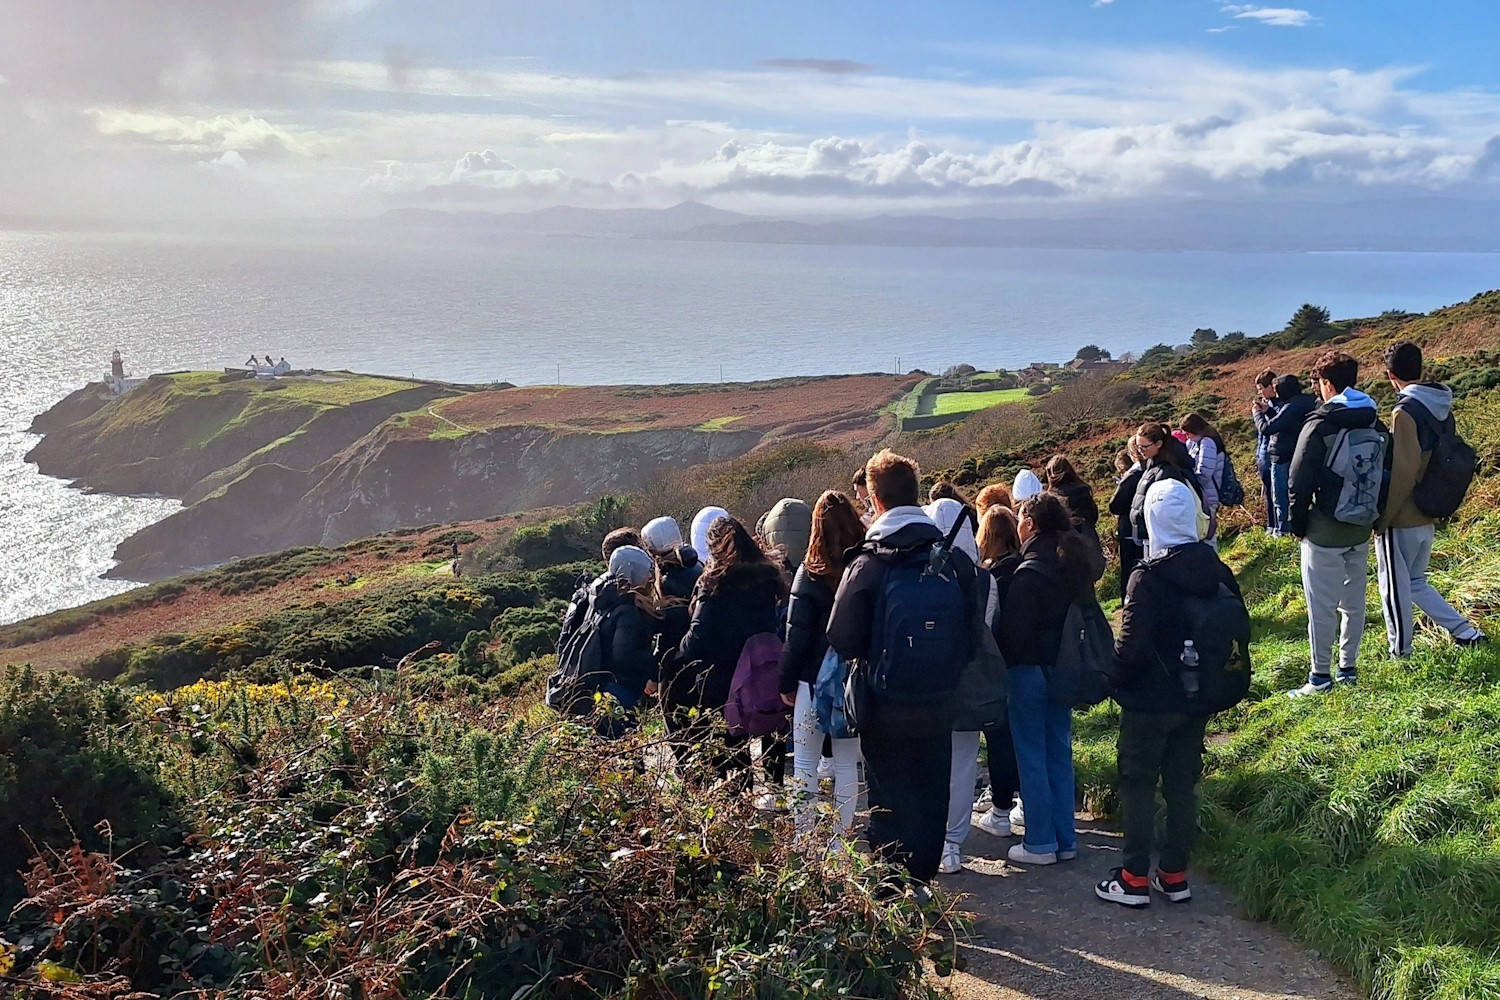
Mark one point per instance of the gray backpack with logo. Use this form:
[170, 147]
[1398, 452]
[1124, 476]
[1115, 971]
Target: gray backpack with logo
[1359, 459]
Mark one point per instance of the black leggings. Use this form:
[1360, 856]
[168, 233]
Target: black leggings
[1005, 780]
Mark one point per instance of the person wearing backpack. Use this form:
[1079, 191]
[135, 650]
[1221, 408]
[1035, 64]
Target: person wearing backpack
[677, 572]
[1162, 718]
[907, 609]
[609, 652]
[1280, 427]
[1205, 447]
[1055, 571]
[736, 598]
[836, 531]
[578, 605]
[1422, 418]
[1335, 491]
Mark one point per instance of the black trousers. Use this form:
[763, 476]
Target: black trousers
[1000, 752]
[1169, 747]
[707, 739]
[908, 760]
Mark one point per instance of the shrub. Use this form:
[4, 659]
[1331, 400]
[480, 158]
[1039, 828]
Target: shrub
[75, 761]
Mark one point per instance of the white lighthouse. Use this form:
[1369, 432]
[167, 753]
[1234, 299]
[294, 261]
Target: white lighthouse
[117, 381]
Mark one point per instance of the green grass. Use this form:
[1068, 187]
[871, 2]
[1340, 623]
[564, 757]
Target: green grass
[969, 402]
[1366, 822]
[330, 390]
[717, 423]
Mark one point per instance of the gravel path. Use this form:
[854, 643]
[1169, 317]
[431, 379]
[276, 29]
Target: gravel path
[1042, 933]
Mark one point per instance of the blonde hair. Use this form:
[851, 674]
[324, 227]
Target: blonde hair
[998, 536]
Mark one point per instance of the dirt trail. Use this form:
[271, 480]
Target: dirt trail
[1041, 933]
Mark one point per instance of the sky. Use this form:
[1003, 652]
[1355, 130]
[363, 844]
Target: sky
[227, 109]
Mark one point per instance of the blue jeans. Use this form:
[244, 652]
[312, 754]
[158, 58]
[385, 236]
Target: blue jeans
[1043, 735]
[1281, 474]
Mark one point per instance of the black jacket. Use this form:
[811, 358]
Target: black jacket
[1157, 470]
[1029, 625]
[806, 631]
[1151, 634]
[1282, 426]
[628, 635]
[851, 622]
[1124, 498]
[1003, 572]
[744, 604]
[1310, 479]
[679, 577]
[1079, 499]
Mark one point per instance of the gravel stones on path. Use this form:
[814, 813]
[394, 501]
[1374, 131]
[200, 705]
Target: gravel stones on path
[1042, 933]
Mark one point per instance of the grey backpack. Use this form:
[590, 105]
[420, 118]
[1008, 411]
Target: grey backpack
[1359, 458]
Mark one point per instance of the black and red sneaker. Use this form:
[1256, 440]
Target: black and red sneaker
[1173, 885]
[1124, 888]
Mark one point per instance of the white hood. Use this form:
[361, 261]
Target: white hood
[1437, 399]
[894, 520]
[944, 513]
[1171, 517]
[1027, 486]
[1353, 399]
[701, 522]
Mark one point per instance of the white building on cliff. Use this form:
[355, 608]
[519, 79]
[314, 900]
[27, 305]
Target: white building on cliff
[117, 382]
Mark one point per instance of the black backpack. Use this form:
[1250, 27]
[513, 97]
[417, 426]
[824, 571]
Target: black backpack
[921, 624]
[1083, 674]
[582, 670]
[1231, 490]
[1451, 466]
[1220, 629]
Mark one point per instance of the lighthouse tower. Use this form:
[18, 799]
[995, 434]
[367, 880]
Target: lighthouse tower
[117, 367]
[117, 381]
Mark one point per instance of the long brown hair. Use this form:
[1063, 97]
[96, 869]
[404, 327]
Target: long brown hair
[731, 547]
[1197, 423]
[1172, 450]
[1050, 514]
[1060, 473]
[836, 528]
[997, 537]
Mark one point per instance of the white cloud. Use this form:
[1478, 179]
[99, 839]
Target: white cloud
[217, 133]
[1284, 17]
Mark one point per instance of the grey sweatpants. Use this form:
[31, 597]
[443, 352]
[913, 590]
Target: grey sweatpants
[1401, 558]
[1335, 581]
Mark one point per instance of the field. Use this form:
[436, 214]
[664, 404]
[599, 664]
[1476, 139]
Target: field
[802, 404]
[333, 389]
[969, 402]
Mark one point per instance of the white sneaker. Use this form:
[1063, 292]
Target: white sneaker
[1018, 814]
[952, 861]
[770, 802]
[1021, 856]
[994, 822]
[1066, 855]
[1311, 688]
[825, 768]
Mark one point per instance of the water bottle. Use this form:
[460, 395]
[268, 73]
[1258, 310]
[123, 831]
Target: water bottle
[1190, 675]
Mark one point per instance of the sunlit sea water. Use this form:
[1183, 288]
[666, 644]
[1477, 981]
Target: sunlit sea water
[586, 311]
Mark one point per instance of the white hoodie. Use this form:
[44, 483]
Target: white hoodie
[701, 522]
[944, 513]
[1172, 513]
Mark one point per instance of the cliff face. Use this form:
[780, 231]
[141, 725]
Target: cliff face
[392, 479]
[327, 458]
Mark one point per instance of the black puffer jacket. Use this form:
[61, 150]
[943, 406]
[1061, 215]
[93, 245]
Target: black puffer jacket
[806, 631]
[1079, 499]
[1156, 471]
[743, 604]
[628, 635]
[1030, 621]
[1152, 629]
[1124, 499]
[1282, 427]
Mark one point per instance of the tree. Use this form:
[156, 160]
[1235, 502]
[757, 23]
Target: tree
[1233, 337]
[1309, 324]
[1157, 354]
[1204, 335]
[1092, 352]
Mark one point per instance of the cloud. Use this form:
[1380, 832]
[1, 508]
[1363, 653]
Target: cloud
[1103, 3]
[1283, 17]
[834, 67]
[215, 134]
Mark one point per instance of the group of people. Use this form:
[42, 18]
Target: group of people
[1337, 477]
[914, 593]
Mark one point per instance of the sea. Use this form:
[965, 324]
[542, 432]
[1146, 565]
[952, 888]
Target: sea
[481, 308]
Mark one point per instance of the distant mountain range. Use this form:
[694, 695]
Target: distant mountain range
[1406, 224]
